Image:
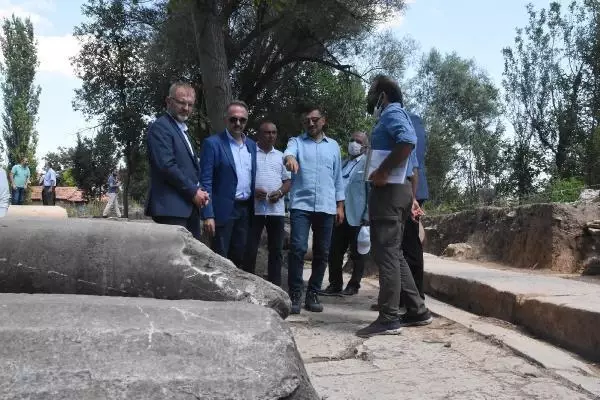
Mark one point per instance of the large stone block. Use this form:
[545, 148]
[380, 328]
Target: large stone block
[88, 347]
[77, 256]
[36, 212]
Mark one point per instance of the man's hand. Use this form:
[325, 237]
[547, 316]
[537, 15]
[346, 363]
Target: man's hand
[209, 227]
[416, 211]
[275, 196]
[14, 186]
[339, 214]
[379, 177]
[260, 194]
[291, 164]
[201, 198]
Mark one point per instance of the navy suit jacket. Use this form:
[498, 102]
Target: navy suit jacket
[174, 170]
[219, 178]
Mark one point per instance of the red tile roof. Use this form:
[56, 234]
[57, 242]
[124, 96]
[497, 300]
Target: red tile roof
[63, 193]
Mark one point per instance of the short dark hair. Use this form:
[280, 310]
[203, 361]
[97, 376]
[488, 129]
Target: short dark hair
[307, 108]
[385, 84]
[239, 103]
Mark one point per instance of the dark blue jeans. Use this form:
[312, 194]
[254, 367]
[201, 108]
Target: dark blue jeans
[275, 226]
[230, 237]
[322, 226]
[18, 196]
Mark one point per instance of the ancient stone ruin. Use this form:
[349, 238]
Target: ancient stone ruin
[121, 310]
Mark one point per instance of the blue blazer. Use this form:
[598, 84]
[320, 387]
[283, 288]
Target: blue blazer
[219, 178]
[174, 170]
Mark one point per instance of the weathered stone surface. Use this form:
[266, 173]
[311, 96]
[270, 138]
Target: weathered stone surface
[459, 251]
[36, 212]
[77, 256]
[88, 347]
[563, 311]
[537, 236]
[589, 196]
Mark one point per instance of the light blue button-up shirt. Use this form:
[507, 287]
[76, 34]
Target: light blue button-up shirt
[395, 126]
[243, 167]
[318, 185]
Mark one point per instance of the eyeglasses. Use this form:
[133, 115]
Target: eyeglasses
[241, 121]
[314, 120]
[182, 103]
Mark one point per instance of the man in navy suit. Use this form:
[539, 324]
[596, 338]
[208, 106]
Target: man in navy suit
[228, 164]
[175, 194]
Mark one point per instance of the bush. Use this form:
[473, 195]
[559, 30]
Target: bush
[566, 190]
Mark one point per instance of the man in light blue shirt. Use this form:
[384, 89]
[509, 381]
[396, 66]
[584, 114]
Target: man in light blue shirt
[317, 201]
[49, 190]
[356, 213]
[19, 177]
[389, 207]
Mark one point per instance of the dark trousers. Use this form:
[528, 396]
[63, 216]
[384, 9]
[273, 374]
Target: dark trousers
[413, 253]
[18, 196]
[345, 236]
[322, 225]
[230, 237]
[48, 196]
[389, 207]
[192, 223]
[274, 225]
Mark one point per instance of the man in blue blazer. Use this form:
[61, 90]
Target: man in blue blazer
[175, 194]
[228, 162]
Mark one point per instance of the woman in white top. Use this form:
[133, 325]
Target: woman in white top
[4, 193]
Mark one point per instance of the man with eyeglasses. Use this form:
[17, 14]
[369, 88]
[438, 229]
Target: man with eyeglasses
[228, 163]
[317, 201]
[175, 196]
[355, 209]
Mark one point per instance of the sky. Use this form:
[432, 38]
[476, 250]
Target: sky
[476, 29]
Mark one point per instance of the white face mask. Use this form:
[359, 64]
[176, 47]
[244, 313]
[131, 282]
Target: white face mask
[378, 107]
[354, 148]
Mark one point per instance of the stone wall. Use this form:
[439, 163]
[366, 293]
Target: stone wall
[537, 236]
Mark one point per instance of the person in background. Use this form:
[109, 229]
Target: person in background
[4, 193]
[49, 183]
[273, 182]
[390, 204]
[19, 178]
[228, 164]
[411, 244]
[175, 196]
[356, 214]
[113, 195]
[317, 201]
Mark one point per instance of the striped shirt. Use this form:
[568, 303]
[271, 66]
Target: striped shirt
[270, 173]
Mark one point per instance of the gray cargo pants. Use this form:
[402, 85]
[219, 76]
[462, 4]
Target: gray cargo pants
[389, 207]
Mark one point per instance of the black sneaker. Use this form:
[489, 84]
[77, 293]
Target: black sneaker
[379, 327]
[331, 291]
[350, 291]
[296, 298]
[416, 320]
[312, 302]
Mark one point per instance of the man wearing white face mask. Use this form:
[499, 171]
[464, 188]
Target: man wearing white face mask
[345, 235]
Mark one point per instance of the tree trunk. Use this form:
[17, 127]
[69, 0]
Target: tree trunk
[216, 84]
